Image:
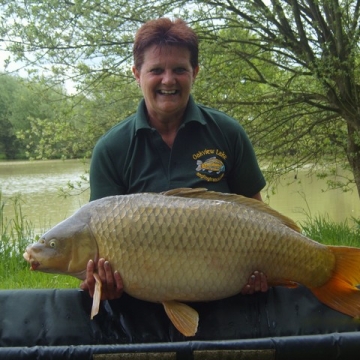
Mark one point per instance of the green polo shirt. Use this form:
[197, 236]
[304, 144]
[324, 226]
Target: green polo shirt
[211, 150]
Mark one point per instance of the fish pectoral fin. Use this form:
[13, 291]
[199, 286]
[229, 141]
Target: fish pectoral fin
[97, 296]
[183, 317]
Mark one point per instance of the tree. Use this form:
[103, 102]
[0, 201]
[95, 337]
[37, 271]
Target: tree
[21, 100]
[80, 121]
[7, 136]
[309, 105]
[293, 65]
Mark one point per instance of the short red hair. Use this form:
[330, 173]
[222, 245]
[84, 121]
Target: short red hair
[165, 32]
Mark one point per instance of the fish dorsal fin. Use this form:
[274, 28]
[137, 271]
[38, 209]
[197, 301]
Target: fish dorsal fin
[183, 317]
[203, 193]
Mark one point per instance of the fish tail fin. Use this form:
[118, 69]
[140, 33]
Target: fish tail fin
[341, 292]
[183, 317]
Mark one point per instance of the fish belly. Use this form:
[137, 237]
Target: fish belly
[170, 248]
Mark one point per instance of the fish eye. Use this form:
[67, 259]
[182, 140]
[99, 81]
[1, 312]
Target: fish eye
[52, 243]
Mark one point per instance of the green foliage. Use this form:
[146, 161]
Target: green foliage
[48, 140]
[21, 100]
[114, 99]
[78, 121]
[8, 90]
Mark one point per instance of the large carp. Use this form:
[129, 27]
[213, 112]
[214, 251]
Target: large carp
[196, 245]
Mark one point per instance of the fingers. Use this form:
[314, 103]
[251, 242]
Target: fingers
[119, 288]
[257, 282]
[89, 283]
[102, 273]
[112, 284]
[264, 286]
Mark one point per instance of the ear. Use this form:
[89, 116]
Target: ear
[195, 72]
[136, 73]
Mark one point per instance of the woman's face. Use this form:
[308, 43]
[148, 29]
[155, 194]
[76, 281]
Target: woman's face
[165, 78]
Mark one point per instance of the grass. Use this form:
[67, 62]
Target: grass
[325, 231]
[15, 234]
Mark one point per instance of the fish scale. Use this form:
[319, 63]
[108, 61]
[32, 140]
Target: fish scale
[196, 245]
[186, 255]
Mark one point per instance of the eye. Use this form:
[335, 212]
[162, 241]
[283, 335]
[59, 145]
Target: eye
[180, 70]
[156, 71]
[52, 243]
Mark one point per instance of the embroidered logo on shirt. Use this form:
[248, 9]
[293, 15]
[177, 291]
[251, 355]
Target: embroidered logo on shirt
[210, 168]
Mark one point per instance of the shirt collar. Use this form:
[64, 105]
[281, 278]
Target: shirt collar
[192, 113]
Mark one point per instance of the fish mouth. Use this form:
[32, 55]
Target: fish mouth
[34, 264]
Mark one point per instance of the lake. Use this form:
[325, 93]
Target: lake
[38, 182]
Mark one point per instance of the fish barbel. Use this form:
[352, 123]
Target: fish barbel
[196, 245]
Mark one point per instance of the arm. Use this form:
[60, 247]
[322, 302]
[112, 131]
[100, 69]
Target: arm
[104, 177]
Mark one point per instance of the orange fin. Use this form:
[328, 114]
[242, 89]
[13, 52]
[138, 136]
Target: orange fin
[183, 317]
[341, 292]
[97, 296]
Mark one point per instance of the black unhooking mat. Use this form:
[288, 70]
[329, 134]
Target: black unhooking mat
[280, 324]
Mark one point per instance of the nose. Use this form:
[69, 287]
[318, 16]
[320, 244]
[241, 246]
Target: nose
[168, 78]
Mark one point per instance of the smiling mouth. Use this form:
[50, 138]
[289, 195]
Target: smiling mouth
[167, 92]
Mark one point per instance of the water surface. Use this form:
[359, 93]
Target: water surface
[39, 182]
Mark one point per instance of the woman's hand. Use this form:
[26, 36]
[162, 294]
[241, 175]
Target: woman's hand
[257, 282]
[112, 285]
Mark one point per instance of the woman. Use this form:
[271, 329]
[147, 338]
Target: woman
[170, 142]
